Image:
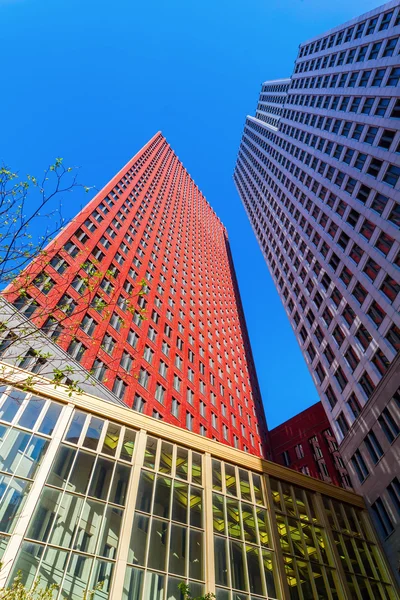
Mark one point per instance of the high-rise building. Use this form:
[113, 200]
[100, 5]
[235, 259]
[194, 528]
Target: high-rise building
[306, 443]
[318, 172]
[140, 289]
[93, 492]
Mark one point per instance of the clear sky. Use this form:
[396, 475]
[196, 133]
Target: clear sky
[92, 81]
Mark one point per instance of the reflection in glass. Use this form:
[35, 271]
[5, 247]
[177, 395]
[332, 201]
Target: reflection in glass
[162, 497]
[13, 449]
[182, 463]
[89, 527]
[177, 550]
[218, 513]
[230, 480]
[244, 485]
[13, 494]
[111, 439]
[234, 520]
[158, 545]
[154, 588]
[216, 475]
[101, 479]
[101, 574]
[221, 566]
[128, 445]
[75, 428]
[120, 484]
[137, 547]
[173, 593]
[166, 458]
[133, 584]
[31, 412]
[11, 404]
[93, 433]
[258, 492]
[27, 562]
[269, 568]
[50, 418]
[249, 524]
[196, 504]
[61, 466]
[222, 594]
[150, 453]
[77, 577]
[52, 567]
[81, 472]
[253, 567]
[145, 491]
[64, 527]
[180, 502]
[44, 515]
[237, 565]
[3, 545]
[262, 526]
[196, 468]
[34, 454]
[196, 554]
[110, 534]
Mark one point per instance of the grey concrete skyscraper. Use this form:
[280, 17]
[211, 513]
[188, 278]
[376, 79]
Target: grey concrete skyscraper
[318, 172]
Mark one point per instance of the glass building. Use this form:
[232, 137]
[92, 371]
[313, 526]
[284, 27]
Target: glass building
[92, 492]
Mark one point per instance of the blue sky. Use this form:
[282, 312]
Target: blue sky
[92, 81]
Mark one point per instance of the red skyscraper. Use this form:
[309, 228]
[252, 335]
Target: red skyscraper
[140, 289]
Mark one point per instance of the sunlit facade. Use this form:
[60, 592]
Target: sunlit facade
[93, 492]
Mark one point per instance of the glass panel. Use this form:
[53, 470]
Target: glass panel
[111, 440]
[3, 545]
[52, 568]
[177, 550]
[221, 563]
[230, 480]
[218, 514]
[196, 554]
[253, 567]
[110, 534]
[305, 579]
[261, 515]
[233, 514]
[129, 445]
[196, 588]
[222, 594]
[89, 527]
[101, 576]
[27, 563]
[61, 466]
[196, 468]
[93, 433]
[13, 449]
[166, 458]
[237, 566]
[120, 484]
[11, 404]
[158, 545]
[12, 501]
[258, 493]
[173, 592]
[81, 472]
[50, 418]
[249, 524]
[31, 412]
[64, 527]
[180, 502]
[216, 475]
[133, 584]
[101, 479]
[145, 491]
[150, 453]
[75, 429]
[137, 547]
[154, 588]
[77, 577]
[244, 485]
[44, 515]
[269, 564]
[196, 507]
[182, 463]
[162, 497]
[33, 457]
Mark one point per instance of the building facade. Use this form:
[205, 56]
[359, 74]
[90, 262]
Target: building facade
[140, 290]
[321, 186]
[306, 443]
[95, 493]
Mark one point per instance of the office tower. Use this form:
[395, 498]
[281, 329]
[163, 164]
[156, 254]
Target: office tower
[140, 289]
[95, 492]
[306, 443]
[321, 188]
